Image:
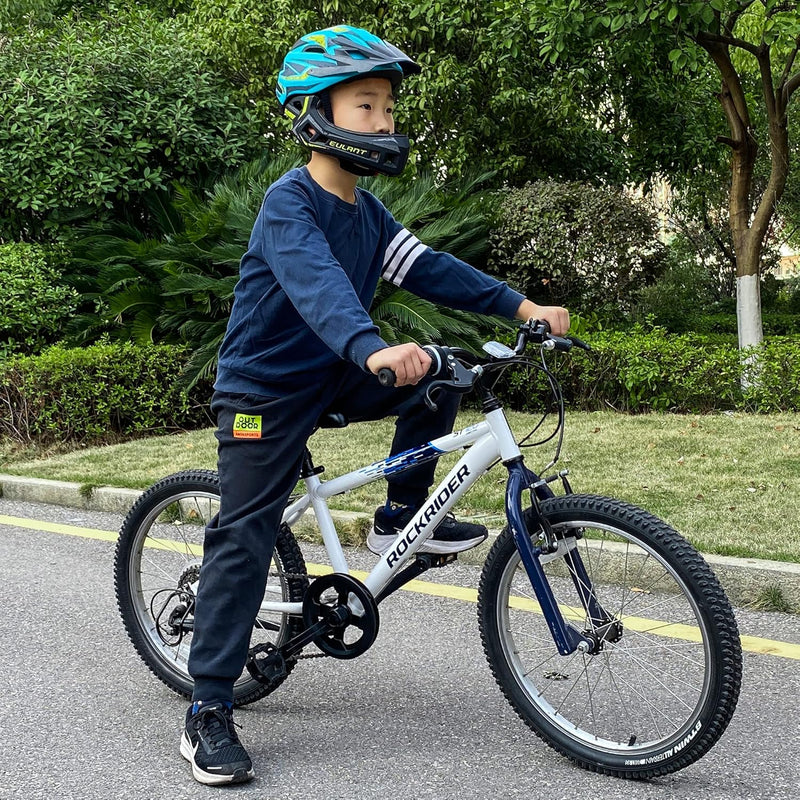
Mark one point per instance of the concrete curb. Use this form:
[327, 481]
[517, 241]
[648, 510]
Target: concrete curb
[72, 495]
[744, 579]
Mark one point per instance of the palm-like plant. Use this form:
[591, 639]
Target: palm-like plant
[452, 217]
[178, 286]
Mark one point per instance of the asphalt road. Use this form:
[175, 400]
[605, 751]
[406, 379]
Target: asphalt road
[417, 716]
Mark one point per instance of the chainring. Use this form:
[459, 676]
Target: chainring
[350, 611]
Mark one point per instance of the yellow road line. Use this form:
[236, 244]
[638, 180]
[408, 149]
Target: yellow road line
[752, 644]
[56, 527]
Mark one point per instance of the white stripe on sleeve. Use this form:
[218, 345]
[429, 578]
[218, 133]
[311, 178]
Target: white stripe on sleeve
[400, 255]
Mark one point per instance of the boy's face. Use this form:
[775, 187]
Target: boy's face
[364, 106]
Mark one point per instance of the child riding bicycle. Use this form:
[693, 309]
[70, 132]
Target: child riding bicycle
[300, 342]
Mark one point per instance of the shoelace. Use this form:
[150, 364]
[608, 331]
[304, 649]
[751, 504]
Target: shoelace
[219, 730]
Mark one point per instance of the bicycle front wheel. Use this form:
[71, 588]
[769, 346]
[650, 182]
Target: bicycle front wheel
[156, 569]
[661, 688]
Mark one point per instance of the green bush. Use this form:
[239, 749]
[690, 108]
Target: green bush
[644, 371]
[96, 111]
[96, 394]
[589, 248]
[776, 386]
[34, 302]
[682, 292]
[788, 296]
[775, 323]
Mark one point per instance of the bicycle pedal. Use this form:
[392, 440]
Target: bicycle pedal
[267, 664]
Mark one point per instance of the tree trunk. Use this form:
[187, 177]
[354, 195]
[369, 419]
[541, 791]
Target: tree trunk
[748, 308]
[750, 218]
[748, 244]
[747, 238]
[748, 299]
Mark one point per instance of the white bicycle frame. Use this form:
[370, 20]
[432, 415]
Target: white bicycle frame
[490, 439]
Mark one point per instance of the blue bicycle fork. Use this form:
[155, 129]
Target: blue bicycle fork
[566, 636]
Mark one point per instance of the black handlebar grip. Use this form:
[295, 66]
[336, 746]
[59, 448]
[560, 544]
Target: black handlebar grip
[579, 343]
[560, 343]
[386, 377]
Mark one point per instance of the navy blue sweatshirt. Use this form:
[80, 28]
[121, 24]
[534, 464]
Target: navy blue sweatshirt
[309, 276]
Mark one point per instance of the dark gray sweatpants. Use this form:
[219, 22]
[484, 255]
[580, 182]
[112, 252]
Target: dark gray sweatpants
[257, 474]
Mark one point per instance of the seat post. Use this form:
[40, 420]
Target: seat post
[307, 468]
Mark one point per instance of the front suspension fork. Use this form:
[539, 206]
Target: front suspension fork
[567, 637]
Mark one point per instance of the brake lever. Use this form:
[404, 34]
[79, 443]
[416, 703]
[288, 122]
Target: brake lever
[461, 381]
[429, 401]
[461, 377]
[446, 386]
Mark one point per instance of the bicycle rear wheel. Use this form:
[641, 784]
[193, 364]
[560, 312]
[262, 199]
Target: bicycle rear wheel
[661, 691]
[156, 568]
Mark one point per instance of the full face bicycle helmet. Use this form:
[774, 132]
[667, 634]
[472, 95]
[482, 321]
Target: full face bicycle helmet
[320, 60]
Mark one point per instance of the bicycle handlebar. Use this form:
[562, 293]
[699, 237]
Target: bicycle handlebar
[532, 332]
[386, 377]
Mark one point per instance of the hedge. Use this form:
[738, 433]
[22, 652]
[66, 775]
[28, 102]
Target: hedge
[775, 323]
[35, 302]
[108, 392]
[657, 371]
[101, 393]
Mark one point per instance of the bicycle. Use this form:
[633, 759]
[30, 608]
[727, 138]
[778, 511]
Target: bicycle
[605, 630]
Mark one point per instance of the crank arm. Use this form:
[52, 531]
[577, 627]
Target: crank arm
[276, 657]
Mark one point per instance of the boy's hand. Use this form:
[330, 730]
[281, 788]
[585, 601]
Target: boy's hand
[555, 316]
[408, 362]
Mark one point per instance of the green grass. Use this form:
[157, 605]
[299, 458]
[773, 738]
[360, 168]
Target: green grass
[729, 483]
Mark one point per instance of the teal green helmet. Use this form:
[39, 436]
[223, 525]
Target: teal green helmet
[323, 59]
[334, 55]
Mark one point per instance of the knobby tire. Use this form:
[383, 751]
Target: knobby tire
[157, 560]
[651, 702]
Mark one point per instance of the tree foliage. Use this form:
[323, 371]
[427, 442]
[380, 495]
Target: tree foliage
[486, 98]
[97, 110]
[752, 46]
[113, 101]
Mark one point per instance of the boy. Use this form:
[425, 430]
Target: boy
[300, 342]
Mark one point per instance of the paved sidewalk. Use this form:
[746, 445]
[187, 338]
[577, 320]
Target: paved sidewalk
[743, 578]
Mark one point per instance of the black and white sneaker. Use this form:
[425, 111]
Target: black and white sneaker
[450, 536]
[210, 744]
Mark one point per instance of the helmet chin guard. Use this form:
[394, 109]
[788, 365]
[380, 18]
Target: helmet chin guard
[359, 153]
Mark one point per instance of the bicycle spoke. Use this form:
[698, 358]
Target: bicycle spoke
[647, 675]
